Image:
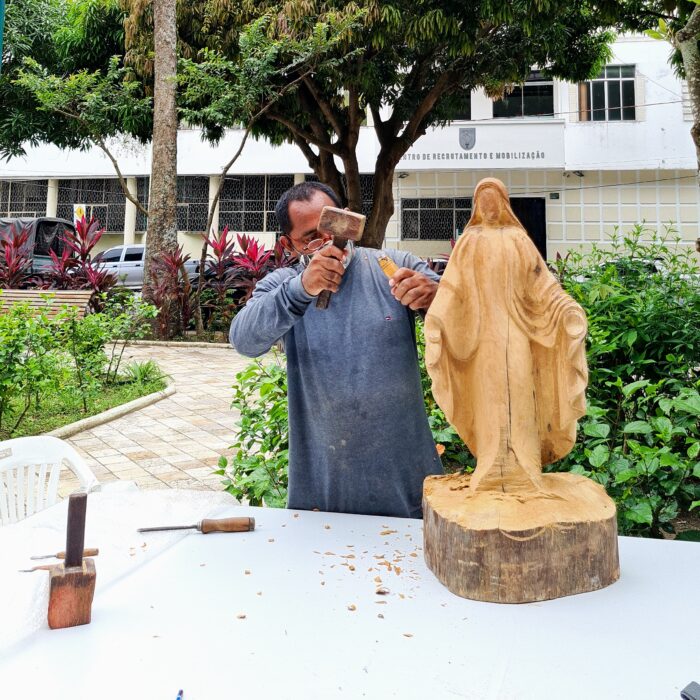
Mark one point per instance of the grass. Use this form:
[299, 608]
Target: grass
[64, 407]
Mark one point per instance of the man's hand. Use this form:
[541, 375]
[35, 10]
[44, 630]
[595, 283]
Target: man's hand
[325, 271]
[413, 289]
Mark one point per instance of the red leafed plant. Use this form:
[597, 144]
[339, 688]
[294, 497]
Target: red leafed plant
[251, 265]
[171, 285]
[61, 273]
[87, 235]
[15, 261]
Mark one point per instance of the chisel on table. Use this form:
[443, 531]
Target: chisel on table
[241, 524]
[62, 555]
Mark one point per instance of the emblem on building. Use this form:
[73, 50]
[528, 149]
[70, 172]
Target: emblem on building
[467, 138]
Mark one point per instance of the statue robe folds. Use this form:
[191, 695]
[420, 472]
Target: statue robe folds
[505, 349]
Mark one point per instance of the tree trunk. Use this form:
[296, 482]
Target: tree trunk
[162, 220]
[383, 204]
[686, 41]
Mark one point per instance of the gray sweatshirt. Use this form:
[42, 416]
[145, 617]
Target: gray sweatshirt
[359, 440]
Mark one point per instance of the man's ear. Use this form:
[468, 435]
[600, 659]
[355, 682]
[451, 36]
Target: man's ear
[286, 243]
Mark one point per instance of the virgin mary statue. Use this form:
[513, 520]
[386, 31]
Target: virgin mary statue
[505, 350]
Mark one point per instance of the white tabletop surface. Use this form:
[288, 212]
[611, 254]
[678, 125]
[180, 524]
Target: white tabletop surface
[291, 611]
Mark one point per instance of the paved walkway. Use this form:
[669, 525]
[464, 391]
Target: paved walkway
[175, 442]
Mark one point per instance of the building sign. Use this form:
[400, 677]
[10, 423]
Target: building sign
[79, 211]
[502, 144]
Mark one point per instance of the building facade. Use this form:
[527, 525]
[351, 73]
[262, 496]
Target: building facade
[579, 162]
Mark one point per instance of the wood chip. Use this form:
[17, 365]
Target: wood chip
[380, 616]
[272, 539]
[247, 572]
[259, 593]
[382, 591]
[407, 634]
[352, 608]
[351, 567]
[377, 579]
[328, 527]
[329, 554]
[296, 515]
[241, 616]
[388, 532]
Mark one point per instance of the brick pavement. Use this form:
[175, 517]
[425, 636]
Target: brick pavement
[175, 442]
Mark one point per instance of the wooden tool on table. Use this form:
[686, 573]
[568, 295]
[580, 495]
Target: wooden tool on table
[72, 583]
[241, 524]
[62, 555]
[344, 226]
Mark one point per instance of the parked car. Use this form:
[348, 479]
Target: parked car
[126, 262]
[45, 234]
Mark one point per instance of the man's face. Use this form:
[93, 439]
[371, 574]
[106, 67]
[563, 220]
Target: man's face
[304, 216]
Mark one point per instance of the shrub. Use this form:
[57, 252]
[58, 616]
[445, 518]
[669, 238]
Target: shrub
[641, 435]
[258, 470]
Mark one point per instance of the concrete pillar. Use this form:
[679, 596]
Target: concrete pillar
[130, 213]
[299, 178]
[52, 197]
[213, 186]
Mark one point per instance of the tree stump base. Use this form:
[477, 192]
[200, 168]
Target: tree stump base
[520, 547]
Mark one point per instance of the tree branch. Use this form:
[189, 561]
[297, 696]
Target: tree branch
[325, 107]
[691, 30]
[122, 180]
[307, 136]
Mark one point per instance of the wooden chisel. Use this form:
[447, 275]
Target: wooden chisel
[62, 555]
[206, 526]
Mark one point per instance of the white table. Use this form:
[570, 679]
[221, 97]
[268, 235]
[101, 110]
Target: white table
[268, 614]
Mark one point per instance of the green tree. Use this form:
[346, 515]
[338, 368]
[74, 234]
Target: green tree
[412, 65]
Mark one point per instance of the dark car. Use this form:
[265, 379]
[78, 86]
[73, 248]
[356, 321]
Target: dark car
[45, 234]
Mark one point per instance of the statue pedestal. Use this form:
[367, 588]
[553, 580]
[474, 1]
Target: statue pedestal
[519, 548]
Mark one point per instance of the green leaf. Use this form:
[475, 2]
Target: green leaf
[596, 430]
[638, 427]
[625, 475]
[599, 456]
[696, 471]
[694, 504]
[694, 450]
[690, 403]
[689, 536]
[629, 389]
[640, 513]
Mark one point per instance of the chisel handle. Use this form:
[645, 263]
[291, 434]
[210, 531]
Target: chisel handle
[226, 525]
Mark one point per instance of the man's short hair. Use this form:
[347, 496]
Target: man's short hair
[303, 192]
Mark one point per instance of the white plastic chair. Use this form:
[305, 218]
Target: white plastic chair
[29, 471]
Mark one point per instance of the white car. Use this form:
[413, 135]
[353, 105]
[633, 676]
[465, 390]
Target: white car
[126, 262]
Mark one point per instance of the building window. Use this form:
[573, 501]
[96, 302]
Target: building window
[103, 198]
[533, 99]
[464, 110]
[23, 198]
[192, 203]
[434, 218]
[609, 96]
[247, 203]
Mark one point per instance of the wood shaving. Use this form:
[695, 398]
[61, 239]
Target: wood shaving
[388, 532]
[272, 539]
[377, 579]
[329, 554]
[296, 515]
[380, 602]
[323, 583]
[328, 527]
[347, 556]
[351, 567]
[241, 616]
[407, 634]
[380, 616]
[382, 591]
[259, 593]
[247, 572]
[352, 608]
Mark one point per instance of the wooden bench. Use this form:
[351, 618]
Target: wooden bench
[51, 301]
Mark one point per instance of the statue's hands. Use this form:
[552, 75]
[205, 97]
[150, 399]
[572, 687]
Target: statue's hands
[325, 271]
[412, 288]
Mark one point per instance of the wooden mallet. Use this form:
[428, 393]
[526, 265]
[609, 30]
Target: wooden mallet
[72, 583]
[344, 226]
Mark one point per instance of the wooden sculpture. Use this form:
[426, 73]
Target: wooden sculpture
[505, 349]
